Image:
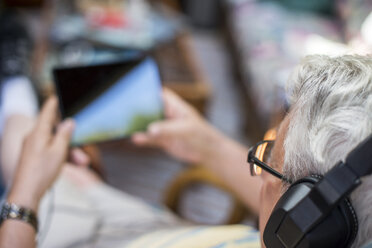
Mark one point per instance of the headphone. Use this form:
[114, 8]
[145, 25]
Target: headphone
[315, 211]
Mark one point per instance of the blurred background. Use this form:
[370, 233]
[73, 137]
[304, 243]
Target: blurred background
[229, 58]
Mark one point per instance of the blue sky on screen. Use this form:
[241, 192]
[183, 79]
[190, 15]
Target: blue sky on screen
[136, 93]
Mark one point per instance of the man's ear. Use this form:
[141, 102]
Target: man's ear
[270, 193]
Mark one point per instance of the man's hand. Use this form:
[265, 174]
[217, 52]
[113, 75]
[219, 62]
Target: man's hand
[42, 156]
[184, 134]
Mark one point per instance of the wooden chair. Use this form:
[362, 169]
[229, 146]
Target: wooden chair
[199, 175]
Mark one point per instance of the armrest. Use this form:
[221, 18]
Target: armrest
[199, 175]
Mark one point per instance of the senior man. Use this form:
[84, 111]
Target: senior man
[331, 104]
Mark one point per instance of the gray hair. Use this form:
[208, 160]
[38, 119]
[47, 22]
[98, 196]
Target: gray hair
[331, 101]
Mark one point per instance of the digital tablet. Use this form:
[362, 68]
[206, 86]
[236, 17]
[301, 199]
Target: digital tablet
[109, 101]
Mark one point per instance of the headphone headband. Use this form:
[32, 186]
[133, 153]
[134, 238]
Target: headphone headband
[359, 159]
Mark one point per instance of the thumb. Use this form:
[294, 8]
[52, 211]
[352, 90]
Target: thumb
[171, 128]
[62, 138]
[158, 133]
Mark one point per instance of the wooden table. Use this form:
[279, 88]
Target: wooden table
[181, 72]
[176, 59]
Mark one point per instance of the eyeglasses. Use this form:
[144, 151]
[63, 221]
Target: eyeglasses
[259, 154]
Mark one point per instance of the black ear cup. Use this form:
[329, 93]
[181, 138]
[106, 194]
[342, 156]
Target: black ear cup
[351, 218]
[338, 229]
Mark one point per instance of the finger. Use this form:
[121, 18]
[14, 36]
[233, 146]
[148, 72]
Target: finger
[47, 117]
[171, 103]
[79, 157]
[61, 140]
[169, 94]
[160, 133]
[142, 139]
[171, 128]
[175, 106]
[154, 136]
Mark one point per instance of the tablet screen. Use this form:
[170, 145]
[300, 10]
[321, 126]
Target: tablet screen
[110, 101]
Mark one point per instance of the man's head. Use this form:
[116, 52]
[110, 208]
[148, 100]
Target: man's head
[331, 112]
